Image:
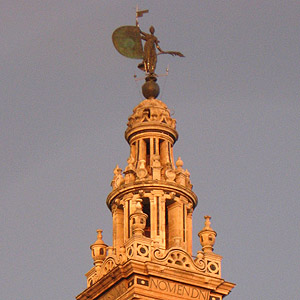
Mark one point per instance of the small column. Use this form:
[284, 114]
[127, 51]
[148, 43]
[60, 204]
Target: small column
[118, 227]
[156, 145]
[164, 155]
[157, 213]
[172, 155]
[175, 217]
[151, 150]
[162, 221]
[133, 151]
[126, 211]
[189, 230]
[153, 214]
[142, 150]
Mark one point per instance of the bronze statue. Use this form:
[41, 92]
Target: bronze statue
[149, 53]
[128, 42]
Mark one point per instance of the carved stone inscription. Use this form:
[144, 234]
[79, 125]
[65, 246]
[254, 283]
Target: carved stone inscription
[178, 289]
[115, 292]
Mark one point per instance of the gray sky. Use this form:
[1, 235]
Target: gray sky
[66, 95]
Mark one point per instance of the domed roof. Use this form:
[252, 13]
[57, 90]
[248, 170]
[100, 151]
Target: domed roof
[151, 114]
[151, 111]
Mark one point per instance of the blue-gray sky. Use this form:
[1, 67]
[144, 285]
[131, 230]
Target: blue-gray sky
[66, 95]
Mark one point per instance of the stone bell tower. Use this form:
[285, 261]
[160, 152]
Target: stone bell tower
[152, 205]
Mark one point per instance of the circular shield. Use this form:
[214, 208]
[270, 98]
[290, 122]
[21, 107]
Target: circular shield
[127, 41]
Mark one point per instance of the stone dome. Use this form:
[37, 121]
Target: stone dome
[151, 114]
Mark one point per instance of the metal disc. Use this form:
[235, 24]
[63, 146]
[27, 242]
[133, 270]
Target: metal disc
[127, 41]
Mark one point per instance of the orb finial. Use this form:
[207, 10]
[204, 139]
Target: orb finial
[150, 88]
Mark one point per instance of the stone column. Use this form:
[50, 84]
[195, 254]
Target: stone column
[143, 150]
[175, 217]
[189, 230]
[126, 212]
[162, 220]
[152, 216]
[164, 155]
[157, 214]
[133, 151]
[118, 227]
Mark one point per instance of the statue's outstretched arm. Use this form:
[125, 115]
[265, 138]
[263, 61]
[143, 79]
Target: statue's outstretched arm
[173, 53]
[158, 47]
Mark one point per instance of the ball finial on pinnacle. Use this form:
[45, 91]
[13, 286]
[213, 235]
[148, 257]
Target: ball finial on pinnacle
[150, 88]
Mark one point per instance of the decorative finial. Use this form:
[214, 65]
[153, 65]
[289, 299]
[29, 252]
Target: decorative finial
[207, 236]
[98, 248]
[179, 164]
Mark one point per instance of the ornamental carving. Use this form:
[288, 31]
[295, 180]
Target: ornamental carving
[108, 265]
[180, 259]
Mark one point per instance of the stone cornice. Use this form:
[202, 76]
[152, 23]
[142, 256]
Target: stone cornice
[150, 185]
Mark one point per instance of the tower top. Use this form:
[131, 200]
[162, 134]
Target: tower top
[152, 205]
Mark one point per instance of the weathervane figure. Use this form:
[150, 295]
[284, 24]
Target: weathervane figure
[128, 42]
[149, 53]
